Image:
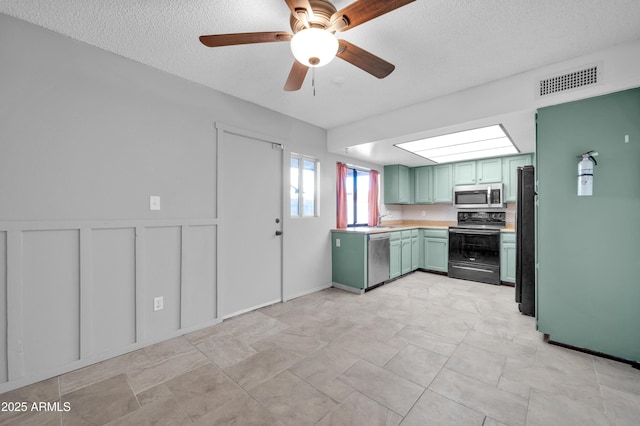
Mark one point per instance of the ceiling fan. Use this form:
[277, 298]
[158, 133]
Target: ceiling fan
[313, 43]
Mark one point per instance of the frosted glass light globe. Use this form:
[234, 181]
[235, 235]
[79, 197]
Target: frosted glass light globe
[314, 47]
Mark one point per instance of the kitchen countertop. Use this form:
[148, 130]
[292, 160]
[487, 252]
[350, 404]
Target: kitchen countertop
[408, 225]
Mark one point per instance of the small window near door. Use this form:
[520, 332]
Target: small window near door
[357, 197]
[304, 186]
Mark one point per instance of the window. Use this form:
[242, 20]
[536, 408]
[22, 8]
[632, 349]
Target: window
[304, 186]
[357, 197]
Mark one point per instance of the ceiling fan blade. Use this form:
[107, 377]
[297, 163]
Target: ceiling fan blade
[296, 77]
[297, 6]
[364, 60]
[362, 11]
[218, 40]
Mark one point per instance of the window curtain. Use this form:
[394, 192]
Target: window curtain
[374, 210]
[341, 191]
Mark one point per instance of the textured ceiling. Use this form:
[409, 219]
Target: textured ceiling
[438, 46]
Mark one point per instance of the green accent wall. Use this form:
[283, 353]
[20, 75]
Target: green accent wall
[588, 284]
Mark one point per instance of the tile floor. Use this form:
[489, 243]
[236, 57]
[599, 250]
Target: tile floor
[423, 350]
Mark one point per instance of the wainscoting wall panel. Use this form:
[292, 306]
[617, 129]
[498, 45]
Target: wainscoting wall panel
[112, 310]
[75, 293]
[50, 299]
[199, 296]
[3, 307]
[162, 262]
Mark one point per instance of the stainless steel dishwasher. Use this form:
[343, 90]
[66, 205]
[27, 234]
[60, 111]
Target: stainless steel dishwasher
[377, 259]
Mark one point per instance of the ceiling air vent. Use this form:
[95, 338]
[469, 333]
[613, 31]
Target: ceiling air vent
[572, 80]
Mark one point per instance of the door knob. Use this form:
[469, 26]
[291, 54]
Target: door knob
[278, 233]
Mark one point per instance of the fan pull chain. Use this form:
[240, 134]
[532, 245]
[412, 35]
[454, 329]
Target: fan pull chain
[313, 80]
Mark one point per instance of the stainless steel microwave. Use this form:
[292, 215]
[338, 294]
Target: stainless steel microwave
[478, 196]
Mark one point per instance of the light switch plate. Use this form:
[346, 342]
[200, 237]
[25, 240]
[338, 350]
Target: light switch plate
[154, 202]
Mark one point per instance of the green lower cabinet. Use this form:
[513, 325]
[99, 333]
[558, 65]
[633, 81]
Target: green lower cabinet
[406, 260]
[349, 259]
[436, 249]
[415, 250]
[404, 253]
[508, 257]
[395, 255]
[406, 256]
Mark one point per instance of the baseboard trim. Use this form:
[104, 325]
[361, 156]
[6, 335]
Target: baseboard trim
[100, 357]
[348, 288]
[634, 364]
[309, 291]
[431, 271]
[244, 311]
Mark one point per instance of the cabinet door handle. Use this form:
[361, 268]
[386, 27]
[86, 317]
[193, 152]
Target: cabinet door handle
[278, 233]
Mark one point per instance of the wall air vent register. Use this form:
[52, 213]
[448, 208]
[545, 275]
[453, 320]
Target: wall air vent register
[572, 80]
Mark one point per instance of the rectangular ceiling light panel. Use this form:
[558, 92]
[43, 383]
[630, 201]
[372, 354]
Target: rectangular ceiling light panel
[483, 142]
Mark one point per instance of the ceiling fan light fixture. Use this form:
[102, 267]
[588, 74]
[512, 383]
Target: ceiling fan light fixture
[314, 47]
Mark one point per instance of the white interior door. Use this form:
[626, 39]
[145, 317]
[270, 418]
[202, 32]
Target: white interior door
[250, 217]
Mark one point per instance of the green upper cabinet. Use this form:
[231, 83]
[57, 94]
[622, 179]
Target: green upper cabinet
[464, 173]
[443, 183]
[398, 184]
[489, 171]
[509, 173]
[480, 171]
[434, 184]
[423, 177]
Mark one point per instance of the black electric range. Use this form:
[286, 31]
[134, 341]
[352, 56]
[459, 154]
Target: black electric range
[474, 246]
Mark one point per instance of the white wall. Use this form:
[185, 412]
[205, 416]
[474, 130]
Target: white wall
[85, 138]
[511, 99]
[507, 99]
[316, 256]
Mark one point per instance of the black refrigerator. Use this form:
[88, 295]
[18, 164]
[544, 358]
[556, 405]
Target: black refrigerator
[525, 241]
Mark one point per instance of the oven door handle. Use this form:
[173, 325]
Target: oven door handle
[473, 232]
[468, 268]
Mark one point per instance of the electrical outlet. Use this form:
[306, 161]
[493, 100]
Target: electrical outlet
[158, 303]
[337, 242]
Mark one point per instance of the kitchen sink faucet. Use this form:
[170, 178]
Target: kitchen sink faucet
[380, 216]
